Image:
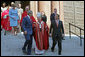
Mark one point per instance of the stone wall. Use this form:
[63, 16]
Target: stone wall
[69, 11]
[73, 13]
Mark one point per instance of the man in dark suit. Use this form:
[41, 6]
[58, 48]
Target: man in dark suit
[27, 27]
[58, 32]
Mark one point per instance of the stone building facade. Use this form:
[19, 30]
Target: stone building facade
[74, 13]
[69, 11]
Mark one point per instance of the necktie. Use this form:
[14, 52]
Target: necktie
[57, 23]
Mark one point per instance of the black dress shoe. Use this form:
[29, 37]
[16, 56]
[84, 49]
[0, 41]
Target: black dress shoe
[59, 53]
[52, 49]
[4, 33]
[24, 51]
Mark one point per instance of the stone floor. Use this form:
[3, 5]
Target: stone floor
[12, 46]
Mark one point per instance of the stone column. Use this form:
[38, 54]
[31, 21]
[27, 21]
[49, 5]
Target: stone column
[59, 6]
[46, 7]
[34, 8]
[61, 11]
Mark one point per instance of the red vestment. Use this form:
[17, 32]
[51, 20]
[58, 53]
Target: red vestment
[41, 36]
[46, 37]
[33, 20]
[5, 21]
[23, 15]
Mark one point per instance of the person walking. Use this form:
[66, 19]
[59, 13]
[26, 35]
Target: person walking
[24, 14]
[27, 28]
[13, 14]
[41, 39]
[20, 11]
[57, 34]
[6, 23]
[44, 17]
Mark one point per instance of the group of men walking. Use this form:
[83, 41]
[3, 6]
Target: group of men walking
[37, 29]
[40, 31]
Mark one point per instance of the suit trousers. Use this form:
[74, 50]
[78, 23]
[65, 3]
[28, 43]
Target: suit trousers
[57, 39]
[28, 44]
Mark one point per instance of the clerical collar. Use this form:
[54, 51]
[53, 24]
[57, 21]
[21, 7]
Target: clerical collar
[40, 22]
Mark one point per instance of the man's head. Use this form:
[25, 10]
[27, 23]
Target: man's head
[43, 13]
[27, 8]
[39, 16]
[55, 10]
[12, 4]
[19, 5]
[4, 4]
[30, 13]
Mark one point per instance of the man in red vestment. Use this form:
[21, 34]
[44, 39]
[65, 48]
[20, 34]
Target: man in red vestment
[6, 22]
[40, 35]
[23, 15]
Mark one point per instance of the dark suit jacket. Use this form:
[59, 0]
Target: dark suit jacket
[52, 17]
[57, 30]
[27, 26]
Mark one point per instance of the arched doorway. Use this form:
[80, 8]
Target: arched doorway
[24, 4]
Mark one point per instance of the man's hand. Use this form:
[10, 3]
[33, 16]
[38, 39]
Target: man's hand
[63, 35]
[25, 32]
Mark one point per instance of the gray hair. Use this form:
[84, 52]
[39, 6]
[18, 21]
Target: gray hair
[27, 7]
